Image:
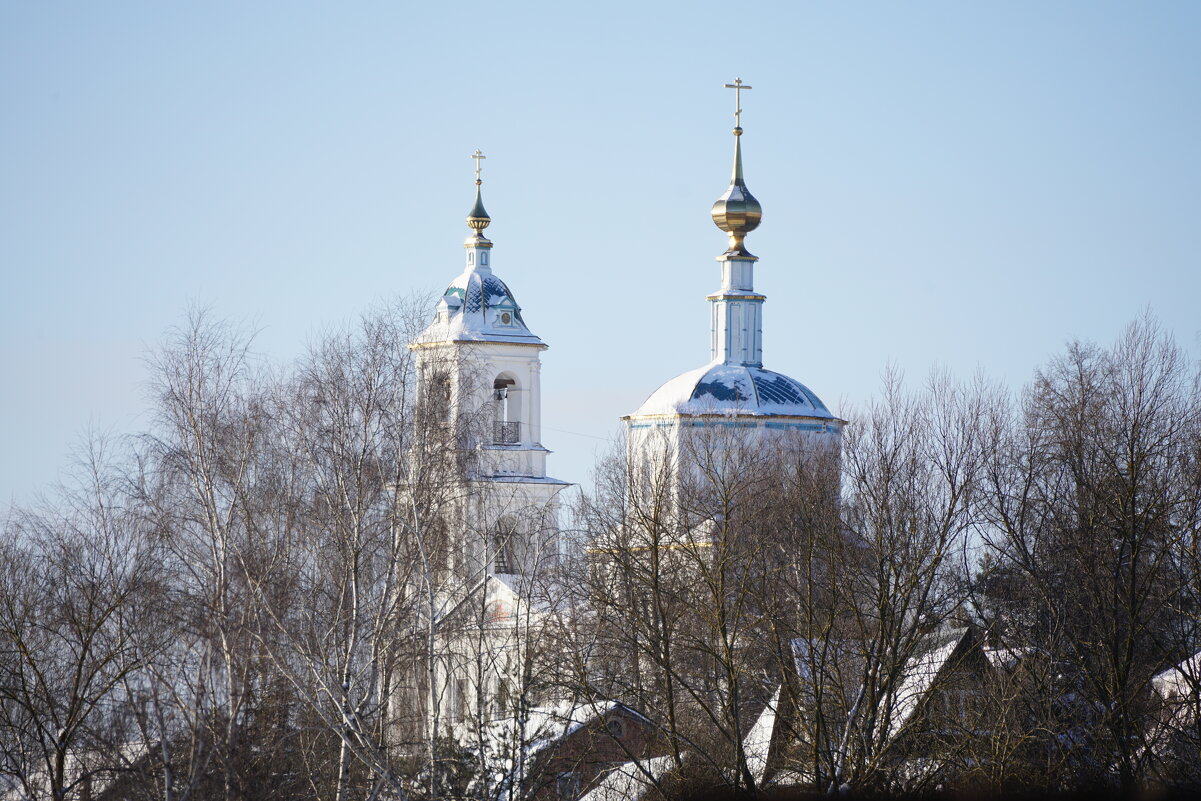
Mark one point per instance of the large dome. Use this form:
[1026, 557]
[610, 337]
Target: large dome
[719, 388]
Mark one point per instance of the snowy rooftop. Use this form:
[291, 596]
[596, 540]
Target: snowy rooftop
[545, 725]
[478, 307]
[629, 781]
[719, 388]
[916, 679]
[757, 743]
[1180, 681]
[919, 676]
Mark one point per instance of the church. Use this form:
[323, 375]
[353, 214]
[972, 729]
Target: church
[478, 325]
[479, 360]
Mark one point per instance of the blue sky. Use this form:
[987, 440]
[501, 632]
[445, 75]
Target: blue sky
[963, 185]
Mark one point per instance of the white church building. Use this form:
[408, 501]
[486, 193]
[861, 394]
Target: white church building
[480, 359]
[733, 389]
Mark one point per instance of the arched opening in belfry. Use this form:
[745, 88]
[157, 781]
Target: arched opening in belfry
[506, 397]
[506, 550]
[438, 395]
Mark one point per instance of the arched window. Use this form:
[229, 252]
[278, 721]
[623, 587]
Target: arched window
[504, 545]
[506, 429]
[437, 396]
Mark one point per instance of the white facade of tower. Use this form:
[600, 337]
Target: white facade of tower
[479, 359]
[480, 371]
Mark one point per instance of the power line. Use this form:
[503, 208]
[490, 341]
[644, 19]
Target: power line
[578, 434]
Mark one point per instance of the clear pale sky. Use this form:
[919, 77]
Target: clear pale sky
[967, 185]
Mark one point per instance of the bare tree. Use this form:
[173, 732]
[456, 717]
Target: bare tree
[872, 577]
[680, 617]
[202, 494]
[75, 580]
[1091, 502]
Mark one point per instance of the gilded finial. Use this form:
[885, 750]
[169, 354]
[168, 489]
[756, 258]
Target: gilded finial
[478, 219]
[737, 212]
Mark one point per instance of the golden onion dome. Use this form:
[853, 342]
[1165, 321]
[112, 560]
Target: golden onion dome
[737, 212]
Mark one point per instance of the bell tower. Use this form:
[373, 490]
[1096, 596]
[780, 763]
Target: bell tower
[482, 362]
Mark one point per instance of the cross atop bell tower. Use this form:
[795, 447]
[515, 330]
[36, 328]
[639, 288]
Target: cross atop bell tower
[478, 156]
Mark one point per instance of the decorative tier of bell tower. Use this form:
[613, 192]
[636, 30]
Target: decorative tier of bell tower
[733, 389]
[479, 363]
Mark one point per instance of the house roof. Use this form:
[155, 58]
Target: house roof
[629, 781]
[1179, 681]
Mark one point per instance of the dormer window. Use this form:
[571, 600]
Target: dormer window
[506, 318]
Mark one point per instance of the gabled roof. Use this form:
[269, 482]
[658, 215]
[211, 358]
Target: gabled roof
[757, 743]
[919, 675]
[558, 721]
[629, 781]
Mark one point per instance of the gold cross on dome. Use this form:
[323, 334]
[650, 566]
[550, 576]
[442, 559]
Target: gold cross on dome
[737, 86]
[478, 156]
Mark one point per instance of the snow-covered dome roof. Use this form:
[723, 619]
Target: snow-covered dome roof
[719, 388]
[478, 307]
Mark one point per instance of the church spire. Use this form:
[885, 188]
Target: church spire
[737, 212]
[478, 219]
[736, 322]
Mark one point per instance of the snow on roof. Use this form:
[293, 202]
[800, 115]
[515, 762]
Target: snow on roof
[538, 593]
[1179, 681]
[919, 675]
[511, 742]
[478, 307]
[629, 781]
[1178, 687]
[546, 725]
[525, 480]
[719, 388]
[757, 742]
[1007, 657]
[916, 680]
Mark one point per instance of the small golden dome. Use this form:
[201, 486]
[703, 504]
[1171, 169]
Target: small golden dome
[737, 212]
